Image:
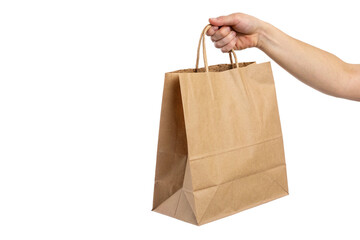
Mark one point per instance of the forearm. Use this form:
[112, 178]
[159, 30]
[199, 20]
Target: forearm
[313, 66]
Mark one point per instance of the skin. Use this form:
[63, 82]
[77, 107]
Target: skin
[313, 66]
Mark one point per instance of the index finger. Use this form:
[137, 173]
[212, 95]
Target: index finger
[212, 30]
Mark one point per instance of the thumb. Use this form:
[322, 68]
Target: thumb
[229, 20]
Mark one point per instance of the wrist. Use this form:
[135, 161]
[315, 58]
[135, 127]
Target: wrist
[264, 35]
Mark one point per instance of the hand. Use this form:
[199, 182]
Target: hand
[236, 31]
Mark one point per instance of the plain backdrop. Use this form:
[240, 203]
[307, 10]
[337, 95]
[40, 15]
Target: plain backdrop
[80, 95]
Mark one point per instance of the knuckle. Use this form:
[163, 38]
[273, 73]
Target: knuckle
[210, 32]
[218, 44]
[228, 47]
[224, 31]
[227, 39]
[238, 16]
[230, 36]
[221, 33]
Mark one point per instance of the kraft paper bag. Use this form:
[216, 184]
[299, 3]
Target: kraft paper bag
[220, 148]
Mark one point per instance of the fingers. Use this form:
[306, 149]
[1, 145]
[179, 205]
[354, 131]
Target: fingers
[221, 33]
[226, 40]
[229, 46]
[212, 30]
[223, 38]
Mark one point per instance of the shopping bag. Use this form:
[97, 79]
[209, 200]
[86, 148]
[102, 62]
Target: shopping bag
[220, 146]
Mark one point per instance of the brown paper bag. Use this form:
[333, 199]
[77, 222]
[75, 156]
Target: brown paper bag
[220, 148]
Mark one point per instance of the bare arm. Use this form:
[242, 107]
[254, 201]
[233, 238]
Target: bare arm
[313, 66]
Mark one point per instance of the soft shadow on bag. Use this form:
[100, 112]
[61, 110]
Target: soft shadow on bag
[220, 148]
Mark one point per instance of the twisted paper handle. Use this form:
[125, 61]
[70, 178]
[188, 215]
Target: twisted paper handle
[202, 38]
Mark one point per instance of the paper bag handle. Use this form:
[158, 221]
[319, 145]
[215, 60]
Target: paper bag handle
[202, 38]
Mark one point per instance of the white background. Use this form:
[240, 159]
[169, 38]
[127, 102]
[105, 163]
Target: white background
[80, 94]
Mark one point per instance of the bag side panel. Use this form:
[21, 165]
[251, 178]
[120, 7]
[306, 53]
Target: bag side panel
[172, 144]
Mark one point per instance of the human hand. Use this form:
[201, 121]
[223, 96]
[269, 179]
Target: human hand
[236, 31]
